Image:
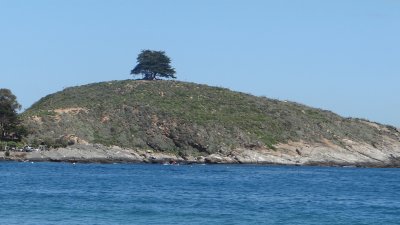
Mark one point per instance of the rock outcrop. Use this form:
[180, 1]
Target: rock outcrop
[293, 153]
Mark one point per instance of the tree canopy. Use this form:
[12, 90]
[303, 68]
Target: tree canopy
[9, 122]
[153, 65]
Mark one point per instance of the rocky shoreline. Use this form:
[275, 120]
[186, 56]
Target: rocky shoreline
[299, 154]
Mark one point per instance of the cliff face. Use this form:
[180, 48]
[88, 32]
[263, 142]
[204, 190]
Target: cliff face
[215, 124]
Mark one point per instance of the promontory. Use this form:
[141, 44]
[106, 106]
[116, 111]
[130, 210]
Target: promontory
[178, 122]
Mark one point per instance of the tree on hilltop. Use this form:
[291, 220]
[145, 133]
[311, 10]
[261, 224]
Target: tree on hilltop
[153, 65]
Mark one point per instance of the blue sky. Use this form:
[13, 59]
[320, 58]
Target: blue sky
[340, 55]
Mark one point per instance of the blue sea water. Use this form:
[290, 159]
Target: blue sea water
[63, 193]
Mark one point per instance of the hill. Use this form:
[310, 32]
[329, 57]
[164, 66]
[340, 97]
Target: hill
[192, 120]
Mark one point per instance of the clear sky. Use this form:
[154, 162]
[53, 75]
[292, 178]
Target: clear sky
[340, 55]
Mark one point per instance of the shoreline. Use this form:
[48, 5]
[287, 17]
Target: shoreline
[314, 164]
[326, 157]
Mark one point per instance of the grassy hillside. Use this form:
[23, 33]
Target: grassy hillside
[185, 118]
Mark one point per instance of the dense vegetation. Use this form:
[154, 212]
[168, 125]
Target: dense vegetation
[185, 118]
[11, 130]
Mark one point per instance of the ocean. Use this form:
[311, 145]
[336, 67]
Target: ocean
[65, 193]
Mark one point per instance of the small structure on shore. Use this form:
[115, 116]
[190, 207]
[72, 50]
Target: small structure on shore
[42, 147]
